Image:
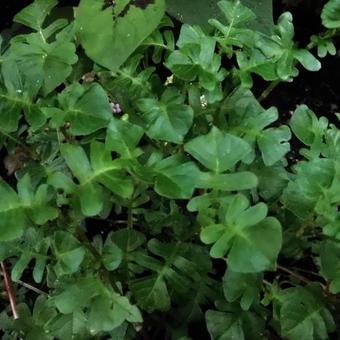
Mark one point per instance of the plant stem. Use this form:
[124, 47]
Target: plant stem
[9, 289]
[268, 90]
[28, 286]
[298, 276]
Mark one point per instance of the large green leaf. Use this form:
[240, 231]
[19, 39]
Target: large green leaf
[233, 323]
[123, 137]
[303, 314]
[218, 150]
[87, 109]
[35, 14]
[18, 211]
[45, 62]
[181, 267]
[105, 309]
[251, 240]
[110, 39]
[176, 177]
[168, 119]
[101, 169]
[248, 119]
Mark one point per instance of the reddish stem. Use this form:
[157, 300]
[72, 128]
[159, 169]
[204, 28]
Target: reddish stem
[9, 289]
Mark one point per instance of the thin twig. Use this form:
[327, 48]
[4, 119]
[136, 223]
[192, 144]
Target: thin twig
[298, 276]
[28, 286]
[9, 289]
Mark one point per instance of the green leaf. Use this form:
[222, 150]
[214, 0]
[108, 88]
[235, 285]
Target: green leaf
[274, 144]
[173, 276]
[245, 235]
[35, 14]
[175, 177]
[13, 217]
[168, 119]
[105, 309]
[330, 14]
[101, 170]
[112, 255]
[218, 151]
[45, 64]
[228, 182]
[68, 252]
[309, 129]
[234, 324]
[123, 137]
[248, 119]
[18, 211]
[197, 59]
[307, 60]
[303, 314]
[109, 40]
[313, 180]
[87, 108]
[329, 256]
[245, 287]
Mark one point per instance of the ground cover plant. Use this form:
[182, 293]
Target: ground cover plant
[149, 190]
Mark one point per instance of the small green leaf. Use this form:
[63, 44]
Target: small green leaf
[112, 255]
[68, 252]
[274, 144]
[245, 287]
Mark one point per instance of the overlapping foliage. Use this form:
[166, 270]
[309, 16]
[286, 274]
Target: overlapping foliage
[197, 207]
